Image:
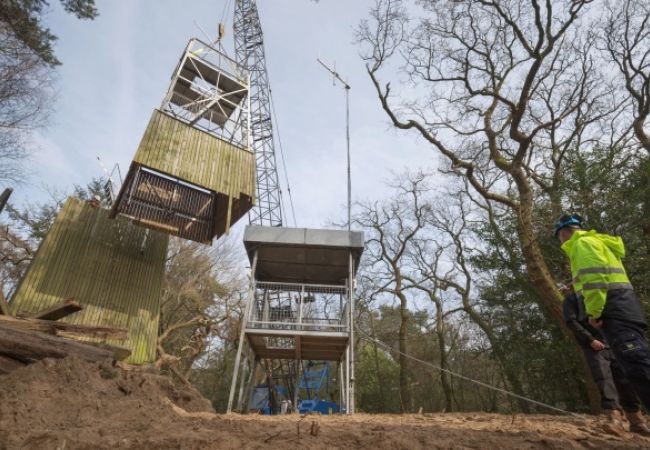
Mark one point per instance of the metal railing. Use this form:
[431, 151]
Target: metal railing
[197, 96]
[299, 307]
[217, 59]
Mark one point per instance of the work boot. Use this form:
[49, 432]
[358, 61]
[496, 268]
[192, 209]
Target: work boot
[638, 423]
[613, 422]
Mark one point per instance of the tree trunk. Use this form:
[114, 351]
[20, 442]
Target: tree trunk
[444, 376]
[542, 280]
[639, 131]
[380, 383]
[540, 276]
[405, 398]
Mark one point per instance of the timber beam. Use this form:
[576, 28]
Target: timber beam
[62, 328]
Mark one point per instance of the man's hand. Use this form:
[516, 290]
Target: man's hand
[597, 345]
[596, 323]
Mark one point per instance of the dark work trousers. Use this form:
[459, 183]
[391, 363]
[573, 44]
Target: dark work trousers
[615, 389]
[627, 341]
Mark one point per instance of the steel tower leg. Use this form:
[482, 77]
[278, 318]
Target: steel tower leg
[242, 336]
[351, 346]
[342, 387]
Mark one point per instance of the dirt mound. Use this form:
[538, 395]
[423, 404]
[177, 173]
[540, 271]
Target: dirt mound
[72, 395]
[70, 404]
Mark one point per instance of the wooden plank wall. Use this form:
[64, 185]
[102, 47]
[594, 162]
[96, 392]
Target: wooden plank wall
[180, 150]
[113, 268]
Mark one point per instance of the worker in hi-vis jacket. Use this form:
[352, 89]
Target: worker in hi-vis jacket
[600, 281]
[616, 392]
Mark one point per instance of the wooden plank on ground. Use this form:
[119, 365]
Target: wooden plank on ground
[119, 353]
[59, 311]
[62, 328]
[8, 364]
[30, 344]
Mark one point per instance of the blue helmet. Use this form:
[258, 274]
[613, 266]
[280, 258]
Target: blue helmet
[568, 221]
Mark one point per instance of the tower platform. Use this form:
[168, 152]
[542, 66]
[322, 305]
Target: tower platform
[300, 299]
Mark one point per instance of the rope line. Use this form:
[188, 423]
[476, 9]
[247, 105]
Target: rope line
[274, 117]
[463, 377]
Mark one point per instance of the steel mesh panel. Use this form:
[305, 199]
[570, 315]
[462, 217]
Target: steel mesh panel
[289, 306]
[168, 205]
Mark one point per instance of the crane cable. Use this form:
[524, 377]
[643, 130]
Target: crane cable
[226, 11]
[369, 338]
[274, 117]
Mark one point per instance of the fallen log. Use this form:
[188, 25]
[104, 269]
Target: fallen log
[8, 364]
[62, 328]
[63, 309]
[35, 345]
[119, 353]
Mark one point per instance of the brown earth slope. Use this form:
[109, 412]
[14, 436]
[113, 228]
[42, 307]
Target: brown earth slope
[71, 404]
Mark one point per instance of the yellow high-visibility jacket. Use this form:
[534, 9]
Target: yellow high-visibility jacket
[596, 267]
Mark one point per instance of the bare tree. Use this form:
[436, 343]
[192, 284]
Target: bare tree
[392, 227]
[502, 90]
[25, 94]
[626, 36]
[426, 255]
[26, 70]
[202, 296]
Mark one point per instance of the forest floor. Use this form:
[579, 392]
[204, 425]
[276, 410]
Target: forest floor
[70, 404]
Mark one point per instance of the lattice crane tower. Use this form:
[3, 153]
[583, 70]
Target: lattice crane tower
[249, 51]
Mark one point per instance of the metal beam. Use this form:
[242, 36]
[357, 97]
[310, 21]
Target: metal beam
[291, 333]
[351, 341]
[251, 299]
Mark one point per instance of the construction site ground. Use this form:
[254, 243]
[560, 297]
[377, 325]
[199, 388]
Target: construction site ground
[72, 404]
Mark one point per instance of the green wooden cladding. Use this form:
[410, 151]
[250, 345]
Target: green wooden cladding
[182, 151]
[113, 268]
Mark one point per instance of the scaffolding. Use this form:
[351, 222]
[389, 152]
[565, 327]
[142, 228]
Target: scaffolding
[300, 304]
[208, 90]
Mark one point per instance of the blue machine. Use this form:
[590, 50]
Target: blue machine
[313, 379]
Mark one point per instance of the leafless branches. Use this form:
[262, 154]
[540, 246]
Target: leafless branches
[393, 226]
[502, 90]
[25, 94]
[201, 302]
[419, 246]
[626, 36]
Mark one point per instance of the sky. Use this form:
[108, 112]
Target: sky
[116, 70]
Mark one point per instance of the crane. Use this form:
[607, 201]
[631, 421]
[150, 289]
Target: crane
[249, 52]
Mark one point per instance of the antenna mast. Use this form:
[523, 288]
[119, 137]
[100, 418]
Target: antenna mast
[347, 87]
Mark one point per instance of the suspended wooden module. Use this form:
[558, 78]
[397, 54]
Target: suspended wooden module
[111, 267]
[193, 174]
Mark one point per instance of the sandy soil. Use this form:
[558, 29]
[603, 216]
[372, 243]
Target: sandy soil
[70, 404]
